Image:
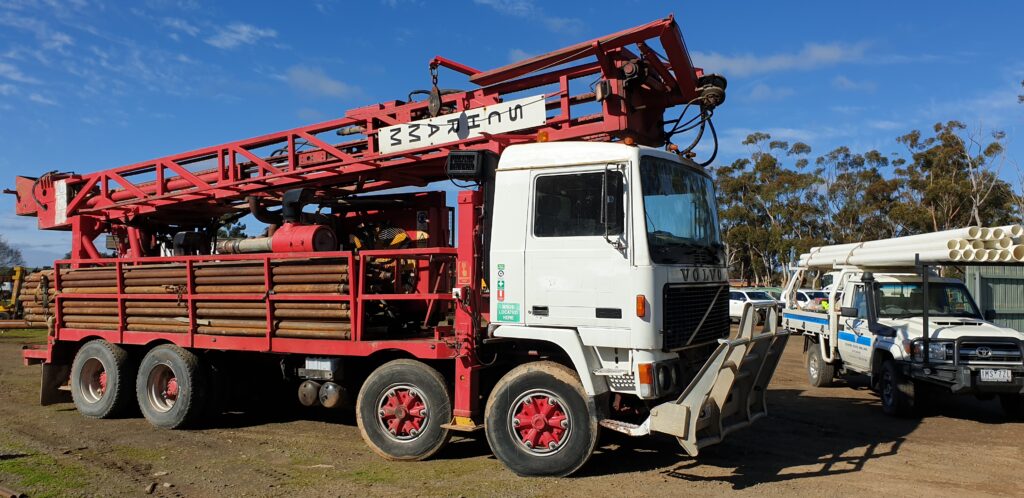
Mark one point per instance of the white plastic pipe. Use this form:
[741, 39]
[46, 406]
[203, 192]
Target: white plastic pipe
[1013, 231]
[1017, 252]
[1002, 243]
[1005, 255]
[968, 255]
[984, 234]
[904, 258]
[960, 244]
[942, 237]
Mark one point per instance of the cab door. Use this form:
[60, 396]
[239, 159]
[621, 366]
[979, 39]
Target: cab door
[855, 338]
[577, 271]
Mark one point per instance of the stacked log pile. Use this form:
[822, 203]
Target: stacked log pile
[242, 317]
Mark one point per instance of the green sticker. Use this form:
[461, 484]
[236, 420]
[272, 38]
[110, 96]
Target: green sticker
[501, 267]
[508, 312]
[501, 284]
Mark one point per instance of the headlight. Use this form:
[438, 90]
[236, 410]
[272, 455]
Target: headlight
[937, 351]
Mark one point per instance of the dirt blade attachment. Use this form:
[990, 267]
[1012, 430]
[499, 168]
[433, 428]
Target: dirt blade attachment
[729, 391]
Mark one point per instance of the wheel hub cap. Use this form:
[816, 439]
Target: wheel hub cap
[539, 422]
[402, 412]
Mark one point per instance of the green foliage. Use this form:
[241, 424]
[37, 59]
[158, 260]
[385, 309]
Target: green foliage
[774, 205]
[232, 231]
[9, 255]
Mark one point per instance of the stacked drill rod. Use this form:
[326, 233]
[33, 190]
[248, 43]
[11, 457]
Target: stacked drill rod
[231, 316]
[36, 300]
[963, 245]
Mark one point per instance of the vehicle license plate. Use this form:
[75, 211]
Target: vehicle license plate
[991, 375]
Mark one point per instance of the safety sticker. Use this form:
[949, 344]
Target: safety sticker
[508, 312]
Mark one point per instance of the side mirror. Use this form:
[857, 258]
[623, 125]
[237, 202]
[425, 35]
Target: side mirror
[990, 315]
[848, 312]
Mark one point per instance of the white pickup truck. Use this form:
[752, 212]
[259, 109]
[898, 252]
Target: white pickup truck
[877, 329]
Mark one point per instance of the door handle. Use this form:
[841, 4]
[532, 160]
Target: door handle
[540, 311]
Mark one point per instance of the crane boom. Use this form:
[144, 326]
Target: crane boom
[629, 99]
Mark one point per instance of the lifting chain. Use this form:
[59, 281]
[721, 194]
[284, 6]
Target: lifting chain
[434, 101]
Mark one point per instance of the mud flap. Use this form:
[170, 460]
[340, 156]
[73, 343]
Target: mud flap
[55, 376]
[729, 391]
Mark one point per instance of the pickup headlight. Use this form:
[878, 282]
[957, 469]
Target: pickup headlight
[937, 351]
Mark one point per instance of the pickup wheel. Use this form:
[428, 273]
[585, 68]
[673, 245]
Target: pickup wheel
[819, 373]
[897, 392]
[401, 408]
[538, 422]
[172, 387]
[101, 380]
[1013, 405]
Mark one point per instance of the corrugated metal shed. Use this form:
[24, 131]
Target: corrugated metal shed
[999, 288]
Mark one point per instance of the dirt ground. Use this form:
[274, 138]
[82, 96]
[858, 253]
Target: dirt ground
[822, 442]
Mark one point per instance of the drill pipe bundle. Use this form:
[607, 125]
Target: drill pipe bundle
[244, 318]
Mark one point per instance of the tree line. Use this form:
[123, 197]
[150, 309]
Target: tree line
[781, 201]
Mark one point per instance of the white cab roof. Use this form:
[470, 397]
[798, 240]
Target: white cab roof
[547, 154]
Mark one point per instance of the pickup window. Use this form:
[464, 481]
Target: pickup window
[860, 302]
[906, 299]
[737, 296]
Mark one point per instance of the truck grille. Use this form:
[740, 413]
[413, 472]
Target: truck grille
[684, 307]
[990, 352]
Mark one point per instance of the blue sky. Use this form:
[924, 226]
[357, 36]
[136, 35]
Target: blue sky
[91, 84]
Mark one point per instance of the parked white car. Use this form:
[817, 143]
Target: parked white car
[811, 299]
[740, 297]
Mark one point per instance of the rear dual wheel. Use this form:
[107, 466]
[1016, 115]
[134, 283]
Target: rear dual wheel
[171, 387]
[101, 376]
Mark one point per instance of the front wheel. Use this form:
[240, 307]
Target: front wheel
[538, 423]
[819, 373]
[896, 390]
[400, 410]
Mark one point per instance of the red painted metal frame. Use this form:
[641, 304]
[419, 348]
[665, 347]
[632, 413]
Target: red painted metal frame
[226, 174]
[421, 348]
[362, 295]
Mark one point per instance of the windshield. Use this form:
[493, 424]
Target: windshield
[759, 296]
[817, 295]
[679, 206]
[903, 300]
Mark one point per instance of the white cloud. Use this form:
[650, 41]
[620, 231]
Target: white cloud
[843, 83]
[516, 55]
[886, 125]
[314, 82]
[528, 9]
[180, 25]
[762, 92]
[39, 99]
[7, 89]
[237, 34]
[811, 56]
[11, 72]
[48, 38]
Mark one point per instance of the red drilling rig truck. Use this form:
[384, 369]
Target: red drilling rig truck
[579, 282]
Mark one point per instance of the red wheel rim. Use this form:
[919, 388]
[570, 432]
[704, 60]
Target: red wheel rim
[539, 422]
[402, 412]
[93, 380]
[162, 388]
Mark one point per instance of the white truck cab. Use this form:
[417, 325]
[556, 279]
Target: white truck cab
[612, 253]
[878, 328]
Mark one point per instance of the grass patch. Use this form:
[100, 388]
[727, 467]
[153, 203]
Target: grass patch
[23, 336]
[40, 475]
[377, 474]
[137, 454]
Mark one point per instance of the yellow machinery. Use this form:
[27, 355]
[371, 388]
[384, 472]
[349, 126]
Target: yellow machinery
[9, 298]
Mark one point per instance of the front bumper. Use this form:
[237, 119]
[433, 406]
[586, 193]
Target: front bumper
[966, 379]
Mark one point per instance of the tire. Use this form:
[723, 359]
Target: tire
[1013, 405]
[171, 387]
[819, 373]
[395, 396]
[524, 393]
[101, 380]
[896, 391]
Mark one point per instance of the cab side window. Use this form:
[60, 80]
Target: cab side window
[570, 205]
[860, 301]
[737, 296]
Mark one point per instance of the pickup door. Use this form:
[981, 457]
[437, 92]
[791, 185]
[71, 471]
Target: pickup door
[855, 340]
